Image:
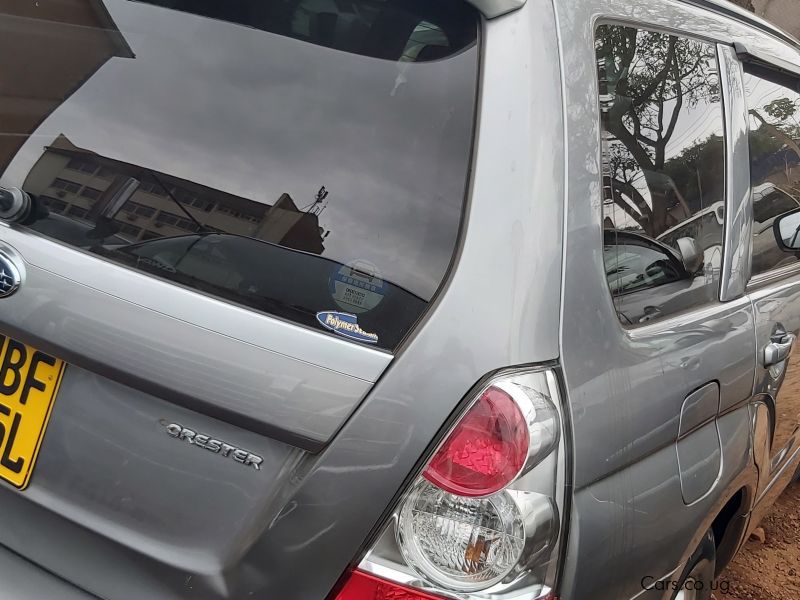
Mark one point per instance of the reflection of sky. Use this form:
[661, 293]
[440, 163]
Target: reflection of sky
[760, 93]
[257, 115]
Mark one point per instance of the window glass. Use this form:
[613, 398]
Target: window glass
[663, 171]
[90, 193]
[774, 112]
[633, 264]
[78, 164]
[288, 139]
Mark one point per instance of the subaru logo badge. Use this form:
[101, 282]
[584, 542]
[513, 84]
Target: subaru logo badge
[9, 276]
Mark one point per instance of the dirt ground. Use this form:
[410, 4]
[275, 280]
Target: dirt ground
[769, 570]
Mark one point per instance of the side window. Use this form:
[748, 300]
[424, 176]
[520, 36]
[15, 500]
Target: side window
[663, 171]
[774, 165]
[634, 264]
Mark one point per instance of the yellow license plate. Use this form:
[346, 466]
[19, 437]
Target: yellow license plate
[29, 381]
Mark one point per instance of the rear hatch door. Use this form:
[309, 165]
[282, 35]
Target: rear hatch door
[238, 212]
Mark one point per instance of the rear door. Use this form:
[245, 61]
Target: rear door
[658, 356]
[237, 215]
[773, 107]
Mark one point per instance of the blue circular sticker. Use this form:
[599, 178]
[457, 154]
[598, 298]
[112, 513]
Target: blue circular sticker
[357, 286]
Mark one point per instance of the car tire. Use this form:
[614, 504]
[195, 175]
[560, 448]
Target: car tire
[697, 580]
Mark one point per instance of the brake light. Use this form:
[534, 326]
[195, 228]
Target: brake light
[486, 450]
[363, 586]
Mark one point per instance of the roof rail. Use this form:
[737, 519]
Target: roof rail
[495, 8]
[740, 14]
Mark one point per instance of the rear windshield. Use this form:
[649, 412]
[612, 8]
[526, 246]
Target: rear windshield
[303, 158]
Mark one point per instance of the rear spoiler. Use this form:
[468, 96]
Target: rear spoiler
[495, 8]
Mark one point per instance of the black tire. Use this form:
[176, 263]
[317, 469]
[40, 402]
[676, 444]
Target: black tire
[697, 580]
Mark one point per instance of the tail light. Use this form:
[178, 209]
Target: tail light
[486, 450]
[483, 520]
[363, 586]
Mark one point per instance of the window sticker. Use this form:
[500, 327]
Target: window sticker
[346, 325]
[357, 286]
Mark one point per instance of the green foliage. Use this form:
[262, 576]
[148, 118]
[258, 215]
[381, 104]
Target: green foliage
[693, 168]
[781, 109]
[763, 143]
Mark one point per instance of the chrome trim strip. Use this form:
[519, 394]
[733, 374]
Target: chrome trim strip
[739, 203]
[774, 276]
[707, 311]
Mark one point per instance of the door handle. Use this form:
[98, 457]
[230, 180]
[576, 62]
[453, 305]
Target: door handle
[778, 350]
[650, 313]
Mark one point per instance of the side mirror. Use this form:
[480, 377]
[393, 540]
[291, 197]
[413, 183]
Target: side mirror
[787, 231]
[719, 213]
[691, 255]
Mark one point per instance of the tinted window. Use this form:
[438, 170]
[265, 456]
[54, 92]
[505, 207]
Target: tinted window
[635, 264]
[774, 165]
[663, 171]
[292, 156]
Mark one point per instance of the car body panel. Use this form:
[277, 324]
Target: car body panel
[342, 428]
[24, 580]
[266, 389]
[496, 8]
[778, 306]
[626, 386]
[637, 516]
[281, 519]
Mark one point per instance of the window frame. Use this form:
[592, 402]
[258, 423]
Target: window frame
[764, 67]
[728, 145]
[291, 339]
[634, 239]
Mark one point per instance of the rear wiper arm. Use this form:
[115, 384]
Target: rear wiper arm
[200, 226]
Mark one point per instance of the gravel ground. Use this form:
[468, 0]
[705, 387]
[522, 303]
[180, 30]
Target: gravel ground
[768, 570]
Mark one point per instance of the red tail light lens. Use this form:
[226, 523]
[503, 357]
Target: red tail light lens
[363, 586]
[486, 450]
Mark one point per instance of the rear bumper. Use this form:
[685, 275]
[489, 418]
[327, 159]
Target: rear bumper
[23, 580]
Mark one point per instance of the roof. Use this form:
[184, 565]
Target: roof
[108, 24]
[730, 9]
[495, 8]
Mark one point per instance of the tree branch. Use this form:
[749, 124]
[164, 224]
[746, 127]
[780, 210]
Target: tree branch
[675, 114]
[661, 76]
[786, 139]
[644, 216]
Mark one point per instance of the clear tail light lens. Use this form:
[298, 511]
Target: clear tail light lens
[462, 543]
[483, 520]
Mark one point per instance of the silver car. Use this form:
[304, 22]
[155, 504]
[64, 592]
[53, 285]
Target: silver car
[393, 299]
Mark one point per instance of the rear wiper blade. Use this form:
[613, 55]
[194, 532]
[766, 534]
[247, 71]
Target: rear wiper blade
[200, 226]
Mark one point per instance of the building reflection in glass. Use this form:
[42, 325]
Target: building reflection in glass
[293, 157]
[101, 197]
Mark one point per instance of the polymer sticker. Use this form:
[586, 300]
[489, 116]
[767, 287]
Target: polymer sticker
[345, 325]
